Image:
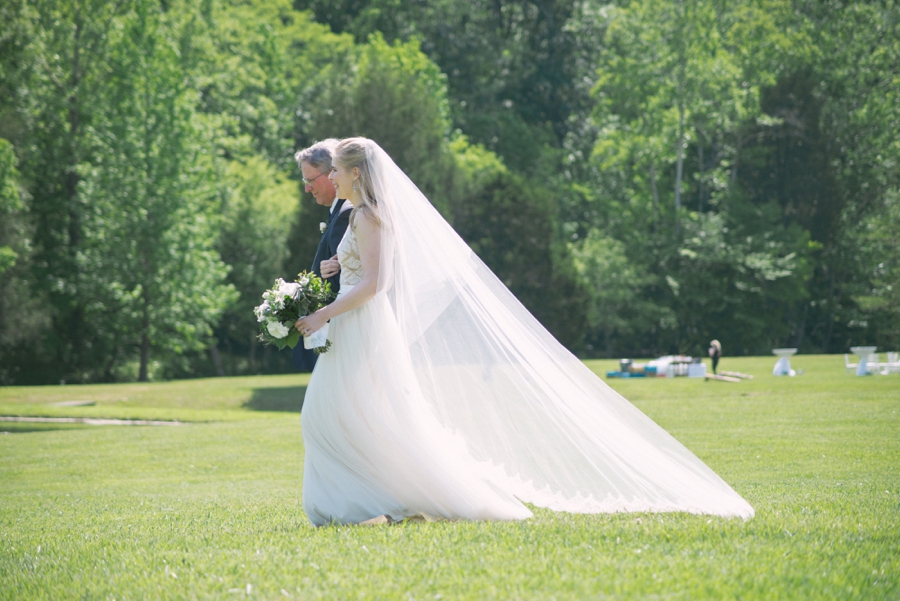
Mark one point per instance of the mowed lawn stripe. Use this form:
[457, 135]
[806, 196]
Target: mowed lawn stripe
[212, 509]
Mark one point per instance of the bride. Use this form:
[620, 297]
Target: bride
[443, 397]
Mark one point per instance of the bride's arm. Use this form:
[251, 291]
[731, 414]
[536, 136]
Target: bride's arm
[368, 239]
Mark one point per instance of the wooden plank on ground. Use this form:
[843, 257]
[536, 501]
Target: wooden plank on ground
[737, 374]
[722, 378]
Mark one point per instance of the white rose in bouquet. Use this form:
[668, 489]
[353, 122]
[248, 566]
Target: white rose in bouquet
[262, 311]
[289, 289]
[277, 329]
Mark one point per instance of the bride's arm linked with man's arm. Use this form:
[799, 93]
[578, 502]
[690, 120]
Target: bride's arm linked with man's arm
[368, 237]
[330, 267]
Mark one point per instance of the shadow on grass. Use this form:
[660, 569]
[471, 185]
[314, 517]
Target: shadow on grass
[26, 427]
[289, 398]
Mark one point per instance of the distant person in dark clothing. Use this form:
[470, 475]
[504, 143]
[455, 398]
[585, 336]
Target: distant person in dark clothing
[715, 351]
[315, 165]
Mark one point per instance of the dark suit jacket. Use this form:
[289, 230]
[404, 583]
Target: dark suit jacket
[337, 226]
[304, 360]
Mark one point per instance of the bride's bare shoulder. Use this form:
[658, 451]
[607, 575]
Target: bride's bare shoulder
[367, 230]
[365, 220]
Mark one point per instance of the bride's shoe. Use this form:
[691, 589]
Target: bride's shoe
[386, 519]
[376, 521]
[423, 517]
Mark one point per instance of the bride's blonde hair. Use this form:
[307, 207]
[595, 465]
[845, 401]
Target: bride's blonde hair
[350, 153]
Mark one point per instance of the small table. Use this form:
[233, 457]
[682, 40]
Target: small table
[783, 365]
[863, 352]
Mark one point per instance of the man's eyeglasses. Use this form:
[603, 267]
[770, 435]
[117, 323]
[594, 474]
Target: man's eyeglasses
[307, 182]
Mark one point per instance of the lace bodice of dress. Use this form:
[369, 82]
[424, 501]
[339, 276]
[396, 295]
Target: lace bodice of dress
[348, 256]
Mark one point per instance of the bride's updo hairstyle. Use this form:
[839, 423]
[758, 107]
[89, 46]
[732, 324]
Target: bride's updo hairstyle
[350, 153]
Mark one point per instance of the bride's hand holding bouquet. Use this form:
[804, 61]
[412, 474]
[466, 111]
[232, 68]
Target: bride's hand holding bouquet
[312, 325]
[286, 303]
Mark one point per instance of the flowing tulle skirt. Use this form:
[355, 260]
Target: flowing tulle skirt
[444, 396]
[372, 445]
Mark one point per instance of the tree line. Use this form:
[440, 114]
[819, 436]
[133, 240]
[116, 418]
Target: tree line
[644, 176]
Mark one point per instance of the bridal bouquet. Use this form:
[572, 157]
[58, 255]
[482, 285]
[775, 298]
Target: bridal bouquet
[285, 303]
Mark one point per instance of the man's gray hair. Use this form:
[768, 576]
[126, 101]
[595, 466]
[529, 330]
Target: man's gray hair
[318, 156]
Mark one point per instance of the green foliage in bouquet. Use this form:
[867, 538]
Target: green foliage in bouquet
[286, 302]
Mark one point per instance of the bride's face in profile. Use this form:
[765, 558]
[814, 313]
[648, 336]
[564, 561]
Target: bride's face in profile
[343, 179]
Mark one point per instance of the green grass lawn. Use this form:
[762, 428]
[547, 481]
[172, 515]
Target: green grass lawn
[212, 509]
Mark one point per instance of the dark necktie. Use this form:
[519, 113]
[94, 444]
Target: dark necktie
[331, 214]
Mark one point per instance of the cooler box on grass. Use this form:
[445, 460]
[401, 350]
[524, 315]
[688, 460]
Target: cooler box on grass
[628, 369]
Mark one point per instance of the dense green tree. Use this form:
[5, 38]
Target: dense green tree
[118, 173]
[681, 79]
[396, 96]
[154, 279]
[258, 214]
[23, 313]
[879, 294]
[515, 69]
[678, 90]
[618, 307]
[644, 175]
[58, 74]
[254, 65]
[513, 227]
[876, 289]
[854, 113]
[15, 65]
[10, 204]
[735, 277]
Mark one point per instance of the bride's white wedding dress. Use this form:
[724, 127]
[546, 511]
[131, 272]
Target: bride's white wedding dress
[372, 445]
[442, 396]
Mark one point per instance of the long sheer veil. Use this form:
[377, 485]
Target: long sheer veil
[541, 425]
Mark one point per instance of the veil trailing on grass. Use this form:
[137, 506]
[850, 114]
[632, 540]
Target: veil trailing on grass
[539, 423]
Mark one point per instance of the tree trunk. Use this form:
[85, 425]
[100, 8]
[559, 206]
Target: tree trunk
[111, 362]
[700, 177]
[679, 166]
[830, 330]
[737, 154]
[76, 317]
[801, 330]
[145, 357]
[655, 198]
[145, 340]
[252, 357]
[217, 360]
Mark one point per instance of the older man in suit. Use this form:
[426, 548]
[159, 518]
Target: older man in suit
[315, 164]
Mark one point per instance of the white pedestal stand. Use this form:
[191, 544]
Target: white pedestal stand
[863, 352]
[783, 365]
